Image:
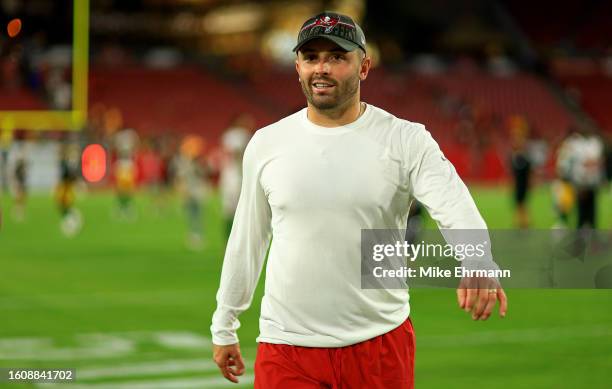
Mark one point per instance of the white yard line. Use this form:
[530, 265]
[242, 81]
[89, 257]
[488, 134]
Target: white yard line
[183, 383]
[99, 345]
[147, 368]
[102, 299]
[45, 350]
[182, 340]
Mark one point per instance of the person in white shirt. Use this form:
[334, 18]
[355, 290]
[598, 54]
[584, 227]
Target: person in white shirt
[234, 141]
[587, 174]
[314, 180]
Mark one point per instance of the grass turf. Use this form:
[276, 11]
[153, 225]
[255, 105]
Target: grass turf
[131, 296]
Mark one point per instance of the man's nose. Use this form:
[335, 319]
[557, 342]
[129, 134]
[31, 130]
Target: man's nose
[322, 67]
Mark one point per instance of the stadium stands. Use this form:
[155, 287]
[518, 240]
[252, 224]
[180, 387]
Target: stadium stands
[595, 95]
[184, 100]
[20, 99]
[577, 24]
[193, 101]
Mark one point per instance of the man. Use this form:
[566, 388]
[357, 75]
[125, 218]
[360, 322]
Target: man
[563, 192]
[588, 176]
[234, 141]
[314, 180]
[521, 165]
[581, 160]
[65, 192]
[125, 170]
[20, 183]
[191, 173]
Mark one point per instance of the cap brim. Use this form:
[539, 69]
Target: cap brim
[343, 43]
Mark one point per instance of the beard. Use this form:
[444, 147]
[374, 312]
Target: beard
[342, 93]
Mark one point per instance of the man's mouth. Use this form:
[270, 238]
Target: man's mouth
[321, 86]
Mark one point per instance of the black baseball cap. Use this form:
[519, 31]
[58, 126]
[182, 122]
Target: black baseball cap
[338, 28]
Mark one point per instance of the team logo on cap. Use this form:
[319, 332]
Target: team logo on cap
[327, 22]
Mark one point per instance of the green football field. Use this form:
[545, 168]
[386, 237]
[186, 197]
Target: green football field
[129, 306]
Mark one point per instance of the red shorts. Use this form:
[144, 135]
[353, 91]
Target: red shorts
[383, 362]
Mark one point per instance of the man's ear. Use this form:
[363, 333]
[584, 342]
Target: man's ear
[364, 69]
[297, 66]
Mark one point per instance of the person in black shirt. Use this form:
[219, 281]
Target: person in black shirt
[521, 171]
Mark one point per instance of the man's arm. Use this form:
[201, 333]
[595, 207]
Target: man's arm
[242, 265]
[436, 184]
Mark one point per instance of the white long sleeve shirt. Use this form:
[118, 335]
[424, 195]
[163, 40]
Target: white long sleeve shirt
[314, 188]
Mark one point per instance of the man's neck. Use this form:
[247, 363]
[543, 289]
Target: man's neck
[337, 117]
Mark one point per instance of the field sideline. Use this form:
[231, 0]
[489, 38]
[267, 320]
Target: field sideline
[129, 306]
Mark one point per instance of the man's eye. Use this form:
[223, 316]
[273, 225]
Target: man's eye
[337, 57]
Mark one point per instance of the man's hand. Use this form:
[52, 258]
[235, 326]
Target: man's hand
[229, 360]
[479, 295]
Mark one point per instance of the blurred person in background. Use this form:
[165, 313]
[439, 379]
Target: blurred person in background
[125, 172]
[3, 162]
[6, 138]
[167, 171]
[608, 163]
[588, 175]
[191, 176]
[521, 166]
[125, 185]
[150, 168]
[65, 191]
[234, 142]
[581, 162]
[20, 178]
[563, 192]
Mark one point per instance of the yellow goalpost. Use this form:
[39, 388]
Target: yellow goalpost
[75, 118]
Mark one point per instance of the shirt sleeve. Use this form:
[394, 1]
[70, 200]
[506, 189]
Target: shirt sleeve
[245, 252]
[436, 184]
